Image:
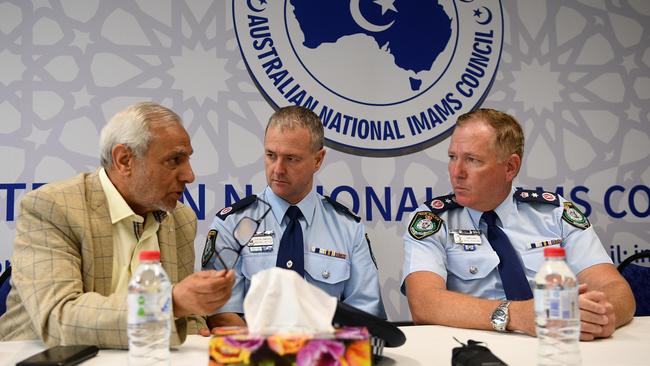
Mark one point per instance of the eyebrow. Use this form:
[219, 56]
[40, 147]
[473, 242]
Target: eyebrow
[180, 152]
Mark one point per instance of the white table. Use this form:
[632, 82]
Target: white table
[425, 345]
[432, 345]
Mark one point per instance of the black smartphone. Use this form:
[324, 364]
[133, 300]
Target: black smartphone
[61, 356]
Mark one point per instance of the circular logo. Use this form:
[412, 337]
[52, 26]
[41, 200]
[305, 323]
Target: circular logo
[225, 210]
[386, 77]
[548, 196]
[437, 204]
[424, 225]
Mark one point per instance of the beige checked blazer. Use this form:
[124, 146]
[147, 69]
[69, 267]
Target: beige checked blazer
[62, 265]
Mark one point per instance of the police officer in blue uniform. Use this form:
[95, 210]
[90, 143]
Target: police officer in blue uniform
[335, 253]
[470, 257]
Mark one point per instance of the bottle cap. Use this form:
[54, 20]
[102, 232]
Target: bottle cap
[149, 255]
[554, 252]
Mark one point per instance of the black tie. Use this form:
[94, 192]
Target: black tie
[291, 254]
[512, 274]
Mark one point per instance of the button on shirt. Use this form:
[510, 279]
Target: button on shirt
[475, 271]
[337, 257]
[131, 234]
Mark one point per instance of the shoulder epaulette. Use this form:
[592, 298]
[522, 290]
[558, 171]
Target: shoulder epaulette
[441, 204]
[342, 208]
[530, 195]
[239, 205]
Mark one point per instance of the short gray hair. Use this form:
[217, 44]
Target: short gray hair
[296, 116]
[132, 127]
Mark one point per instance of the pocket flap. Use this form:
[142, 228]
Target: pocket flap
[327, 269]
[253, 263]
[471, 265]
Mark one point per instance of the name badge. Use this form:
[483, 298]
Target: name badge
[261, 242]
[467, 236]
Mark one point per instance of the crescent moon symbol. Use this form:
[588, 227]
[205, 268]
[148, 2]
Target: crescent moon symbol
[363, 22]
[251, 7]
[488, 19]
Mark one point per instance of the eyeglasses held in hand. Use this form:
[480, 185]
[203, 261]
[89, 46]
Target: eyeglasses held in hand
[244, 231]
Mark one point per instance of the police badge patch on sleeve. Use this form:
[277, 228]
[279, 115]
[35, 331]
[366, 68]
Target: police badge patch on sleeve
[208, 250]
[574, 216]
[423, 224]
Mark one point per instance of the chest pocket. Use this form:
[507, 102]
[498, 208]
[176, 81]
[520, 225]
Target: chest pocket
[474, 265]
[533, 260]
[255, 262]
[327, 273]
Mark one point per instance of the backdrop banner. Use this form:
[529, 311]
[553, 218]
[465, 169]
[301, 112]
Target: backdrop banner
[388, 78]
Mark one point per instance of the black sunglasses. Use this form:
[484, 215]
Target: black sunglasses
[243, 232]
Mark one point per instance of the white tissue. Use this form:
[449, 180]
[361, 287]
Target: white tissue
[279, 301]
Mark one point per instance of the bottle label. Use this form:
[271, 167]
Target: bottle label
[556, 304]
[144, 308]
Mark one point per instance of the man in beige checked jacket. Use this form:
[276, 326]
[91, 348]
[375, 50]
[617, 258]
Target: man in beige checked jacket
[77, 241]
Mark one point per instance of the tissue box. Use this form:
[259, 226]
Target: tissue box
[235, 346]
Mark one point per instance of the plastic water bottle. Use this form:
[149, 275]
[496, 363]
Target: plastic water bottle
[557, 312]
[149, 318]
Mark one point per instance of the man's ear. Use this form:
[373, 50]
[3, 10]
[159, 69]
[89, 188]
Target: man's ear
[320, 156]
[123, 159]
[513, 164]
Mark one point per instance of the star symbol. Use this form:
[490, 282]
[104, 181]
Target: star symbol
[38, 137]
[629, 64]
[262, 2]
[534, 195]
[633, 112]
[546, 77]
[599, 21]
[81, 98]
[448, 200]
[191, 76]
[386, 5]
[81, 40]
[477, 13]
[628, 176]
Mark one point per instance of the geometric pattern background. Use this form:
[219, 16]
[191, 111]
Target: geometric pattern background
[575, 74]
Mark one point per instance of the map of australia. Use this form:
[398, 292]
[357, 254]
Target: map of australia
[415, 33]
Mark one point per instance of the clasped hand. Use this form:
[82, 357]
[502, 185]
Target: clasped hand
[597, 317]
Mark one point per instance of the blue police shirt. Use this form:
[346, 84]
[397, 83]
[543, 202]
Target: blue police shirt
[337, 255]
[530, 224]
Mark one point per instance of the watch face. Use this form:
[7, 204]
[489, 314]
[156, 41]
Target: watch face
[500, 318]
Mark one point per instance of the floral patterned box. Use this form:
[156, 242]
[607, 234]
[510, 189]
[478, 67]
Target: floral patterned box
[347, 346]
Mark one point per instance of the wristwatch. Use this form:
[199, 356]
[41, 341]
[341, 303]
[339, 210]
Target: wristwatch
[500, 317]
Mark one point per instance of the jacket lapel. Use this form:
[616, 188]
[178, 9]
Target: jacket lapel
[167, 244]
[98, 254]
